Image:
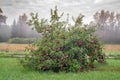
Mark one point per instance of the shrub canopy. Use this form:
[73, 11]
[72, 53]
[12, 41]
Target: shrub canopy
[63, 47]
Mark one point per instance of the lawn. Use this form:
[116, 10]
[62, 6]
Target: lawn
[11, 69]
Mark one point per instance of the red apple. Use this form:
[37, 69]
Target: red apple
[67, 56]
[80, 43]
[62, 58]
[47, 54]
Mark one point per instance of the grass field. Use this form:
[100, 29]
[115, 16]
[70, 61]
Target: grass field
[11, 69]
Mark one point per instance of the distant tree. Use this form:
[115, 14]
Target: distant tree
[14, 31]
[1, 10]
[5, 30]
[101, 18]
[2, 17]
[22, 29]
[107, 26]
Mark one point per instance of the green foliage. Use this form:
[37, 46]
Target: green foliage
[64, 47]
[23, 40]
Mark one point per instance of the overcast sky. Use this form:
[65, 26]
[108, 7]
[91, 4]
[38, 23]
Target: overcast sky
[13, 8]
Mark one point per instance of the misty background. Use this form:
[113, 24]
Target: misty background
[14, 25]
[13, 8]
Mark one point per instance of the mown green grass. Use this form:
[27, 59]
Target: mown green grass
[115, 54]
[11, 69]
[13, 54]
[112, 53]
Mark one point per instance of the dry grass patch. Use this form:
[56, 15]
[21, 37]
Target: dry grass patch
[13, 47]
[22, 47]
[111, 48]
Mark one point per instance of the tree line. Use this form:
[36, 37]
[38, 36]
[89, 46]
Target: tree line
[107, 26]
[19, 28]
[106, 23]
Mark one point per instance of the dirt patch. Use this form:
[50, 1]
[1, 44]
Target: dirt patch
[13, 47]
[111, 47]
[22, 47]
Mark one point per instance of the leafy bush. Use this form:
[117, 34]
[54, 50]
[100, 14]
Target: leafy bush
[73, 48]
[23, 40]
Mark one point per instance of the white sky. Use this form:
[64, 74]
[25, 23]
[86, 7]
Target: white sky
[13, 8]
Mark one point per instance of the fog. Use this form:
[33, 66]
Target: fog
[5, 32]
[107, 26]
[14, 25]
[18, 29]
[13, 8]
[22, 30]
